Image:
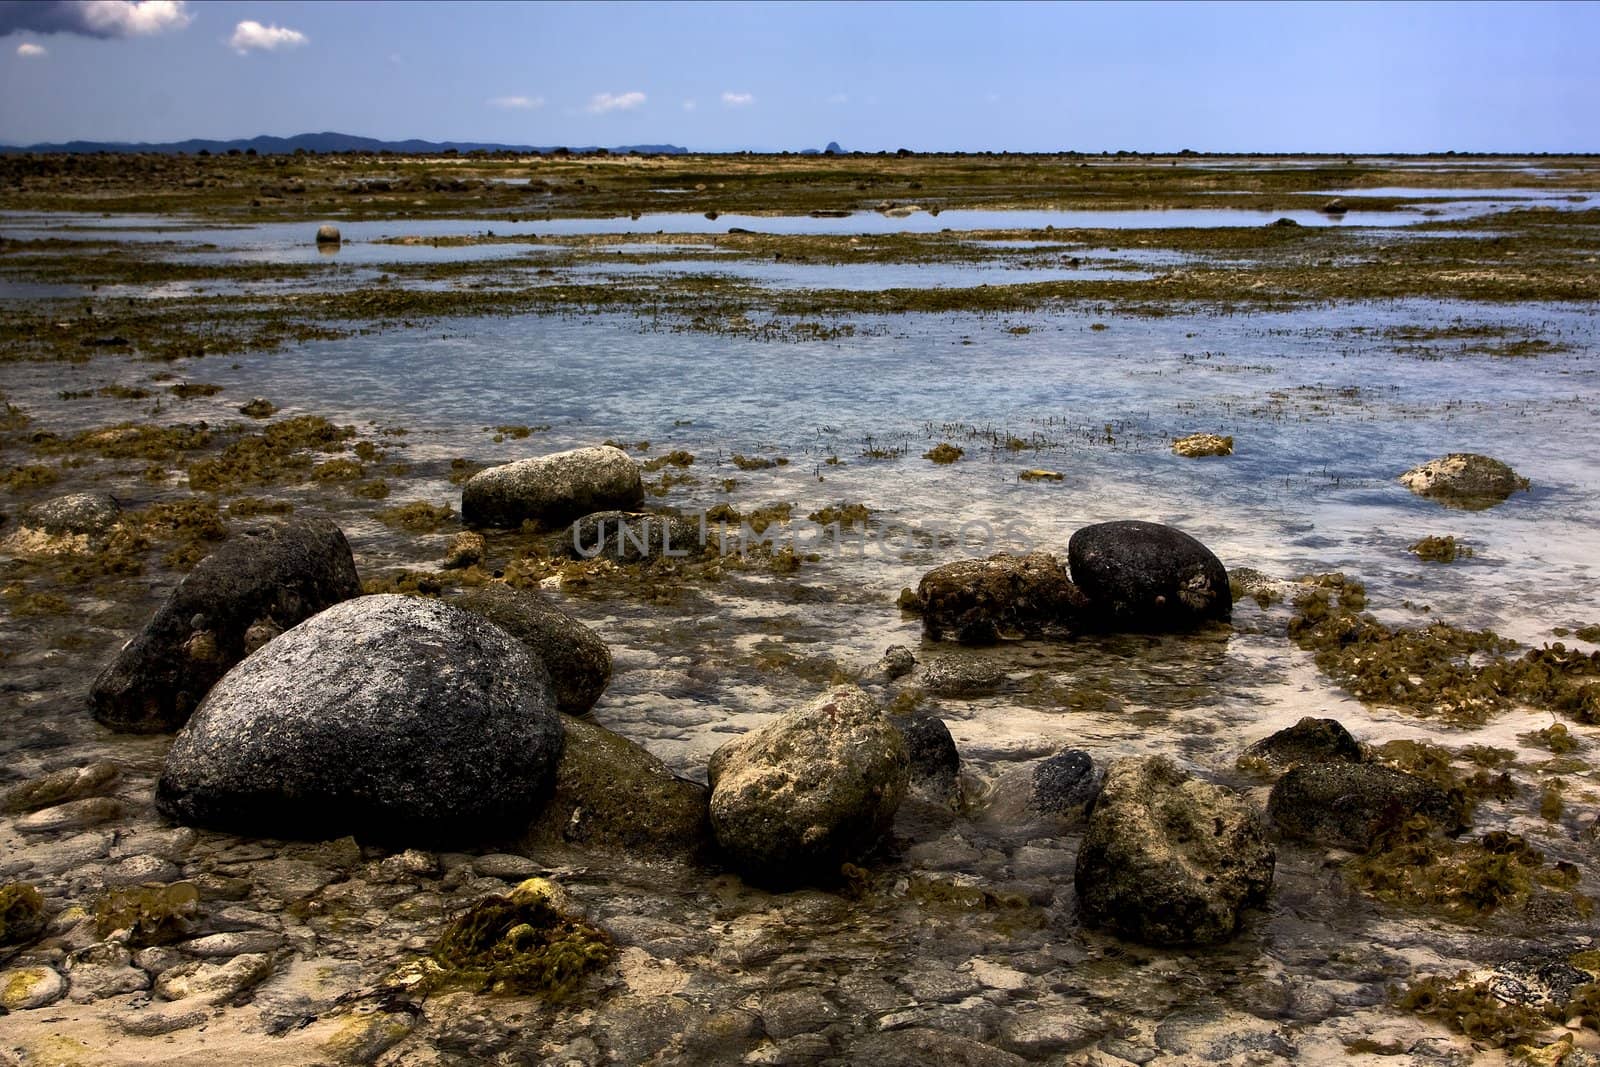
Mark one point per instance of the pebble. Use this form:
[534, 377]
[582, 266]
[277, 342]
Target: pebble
[140, 870]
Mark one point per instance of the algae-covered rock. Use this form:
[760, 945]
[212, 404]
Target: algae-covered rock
[262, 580]
[1168, 859]
[1464, 480]
[1145, 576]
[21, 913]
[25, 988]
[632, 537]
[392, 717]
[611, 793]
[579, 662]
[532, 942]
[979, 601]
[1310, 740]
[1349, 805]
[150, 915]
[1198, 445]
[811, 790]
[962, 676]
[552, 489]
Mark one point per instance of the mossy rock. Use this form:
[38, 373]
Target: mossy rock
[1464, 480]
[530, 943]
[21, 913]
[152, 915]
[611, 793]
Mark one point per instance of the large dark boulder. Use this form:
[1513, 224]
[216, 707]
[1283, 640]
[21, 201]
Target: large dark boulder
[633, 537]
[1145, 576]
[260, 582]
[1168, 859]
[811, 790]
[980, 601]
[1307, 741]
[612, 793]
[391, 717]
[1464, 480]
[578, 660]
[1350, 805]
[553, 489]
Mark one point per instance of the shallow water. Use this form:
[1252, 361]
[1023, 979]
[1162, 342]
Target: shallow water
[1326, 410]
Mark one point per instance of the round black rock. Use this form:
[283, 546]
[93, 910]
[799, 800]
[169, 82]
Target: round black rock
[1145, 576]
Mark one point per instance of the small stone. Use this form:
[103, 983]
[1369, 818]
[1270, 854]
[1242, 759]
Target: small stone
[328, 234]
[412, 861]
[1064, 784]
[234, 943]
[467, 549]
[213, 982]
[507, 866]
[897, 662]
[24, 988]
[140, 870]
[961, 676]
[934, 756]
[1197, 445]
[73, 815]
[70, 783]
[1310, 740]
[1464, 480]
[103, 970]
[155, 1020]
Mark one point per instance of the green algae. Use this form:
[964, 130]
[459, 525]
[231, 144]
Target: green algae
[152, 915]
[338, 470]
[418, 516]
[1436, 764]
[1471, 1008]
[280, 452]
[27, 479]
[21, 913]
[757, 463]
[847, 516]
[943, 453]
[528, 943]
[246, 507]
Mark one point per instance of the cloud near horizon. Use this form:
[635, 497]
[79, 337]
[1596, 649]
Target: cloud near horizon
[104, 19]
[733, 99]
[517, 103]
[251, 36]
[600, 103]
[29, 50]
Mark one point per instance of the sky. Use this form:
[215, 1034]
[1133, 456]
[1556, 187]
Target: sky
[1033, 77]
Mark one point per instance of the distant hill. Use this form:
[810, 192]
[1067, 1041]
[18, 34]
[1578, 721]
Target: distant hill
[321, 142]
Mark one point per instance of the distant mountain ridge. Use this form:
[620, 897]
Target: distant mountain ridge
[321, 142]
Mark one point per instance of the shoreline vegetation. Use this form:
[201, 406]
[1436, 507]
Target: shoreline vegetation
[957, 932]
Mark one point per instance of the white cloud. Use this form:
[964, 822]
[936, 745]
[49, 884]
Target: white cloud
[733, 99]
[29, 50]
[690, 105]
[600, 103]
[517, 103]
[839, 98]
[251, 36]
[95, 18]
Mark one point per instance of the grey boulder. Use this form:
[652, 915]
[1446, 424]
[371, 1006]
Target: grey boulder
[259, 583]
[1349, 805]
[811, 790]
[553, 489]
[1168, 859]
[1146, 576]
[579, 662]
[392, 717]
[88, 514]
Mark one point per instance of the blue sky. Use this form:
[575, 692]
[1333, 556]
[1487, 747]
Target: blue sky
[926, 76]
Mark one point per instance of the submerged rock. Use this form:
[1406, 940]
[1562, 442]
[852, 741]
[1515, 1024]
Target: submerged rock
[1308, 741]
[260, 582]
[389, 716]
[579, 662]
[610, 792]
[1145, 576]
[630, 537]
[811, 790]
[1065, 784]
[328, 234]
[1464, 480]
[979, 601]
[1349, 805]
[552, 489]
[1168, 859]
[86, 514]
